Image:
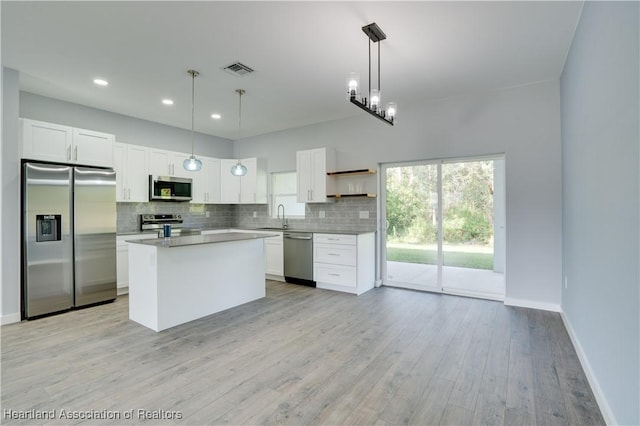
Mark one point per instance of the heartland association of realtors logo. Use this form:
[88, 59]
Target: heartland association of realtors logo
[55, 414]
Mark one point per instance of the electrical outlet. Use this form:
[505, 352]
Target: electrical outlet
[566, 282]
[255, 214]
[321, 214]
[206, 214]
[364, 214]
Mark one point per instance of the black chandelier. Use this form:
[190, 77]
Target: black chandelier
[372, 104]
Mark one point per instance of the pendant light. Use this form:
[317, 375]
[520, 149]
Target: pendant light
[239, 169]
[192, 164]
[373, 104]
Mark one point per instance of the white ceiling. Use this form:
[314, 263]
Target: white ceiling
[301, 53]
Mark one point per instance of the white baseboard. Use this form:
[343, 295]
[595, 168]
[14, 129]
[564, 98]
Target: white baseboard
[522, 303]
[274, 277]
[609, 418]
[10, 318]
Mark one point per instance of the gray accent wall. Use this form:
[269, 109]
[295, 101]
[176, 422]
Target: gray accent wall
[522, 122]
[126, 129]
[600, 163]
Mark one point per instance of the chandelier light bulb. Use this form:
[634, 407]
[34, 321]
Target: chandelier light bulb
[375, 99]
[353, 83]
[392, 111]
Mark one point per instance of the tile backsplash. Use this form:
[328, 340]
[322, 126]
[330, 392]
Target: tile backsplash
[194, 215]
[342, 215]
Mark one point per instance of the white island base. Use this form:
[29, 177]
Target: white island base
[172, 283]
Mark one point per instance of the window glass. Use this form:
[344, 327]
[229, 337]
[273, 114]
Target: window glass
[284, 191]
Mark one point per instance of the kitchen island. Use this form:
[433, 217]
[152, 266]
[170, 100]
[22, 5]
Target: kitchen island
[179, 279]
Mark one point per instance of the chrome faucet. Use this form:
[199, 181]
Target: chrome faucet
[284, 221]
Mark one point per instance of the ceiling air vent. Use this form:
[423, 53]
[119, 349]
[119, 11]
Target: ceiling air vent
[238, 69]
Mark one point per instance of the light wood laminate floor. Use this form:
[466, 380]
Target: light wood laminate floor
[304, 356]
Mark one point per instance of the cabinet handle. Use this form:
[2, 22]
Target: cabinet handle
[129, 194]
[332, 254]
[254, 197]
[69, 152]
[334, 275]
[75, 154]
[124, 194]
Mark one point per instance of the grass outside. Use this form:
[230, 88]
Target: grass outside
[421, 254]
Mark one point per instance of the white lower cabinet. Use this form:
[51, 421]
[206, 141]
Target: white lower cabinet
[344, 262]
[122, 259]
[274, 257]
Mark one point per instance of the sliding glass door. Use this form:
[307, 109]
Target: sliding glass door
[412, 226]
[445, 226]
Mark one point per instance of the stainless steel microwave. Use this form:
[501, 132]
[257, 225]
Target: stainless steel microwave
[170, 188]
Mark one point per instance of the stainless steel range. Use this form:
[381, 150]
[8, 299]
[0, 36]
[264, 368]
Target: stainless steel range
[156, 222]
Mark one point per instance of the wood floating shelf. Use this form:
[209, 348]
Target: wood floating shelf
[352, 195]
[353, 172]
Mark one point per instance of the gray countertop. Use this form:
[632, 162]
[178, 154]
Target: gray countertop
[317, 231]
[190, 240]
[313, 230]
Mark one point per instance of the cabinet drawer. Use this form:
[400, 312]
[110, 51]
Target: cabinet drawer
[335, 239]
[335, 254]
[335, 274]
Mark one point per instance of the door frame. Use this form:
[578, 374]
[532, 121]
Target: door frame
[383, 223]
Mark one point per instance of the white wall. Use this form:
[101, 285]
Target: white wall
[10, 199]
[127, 129]
[523, 123]
[600, 137]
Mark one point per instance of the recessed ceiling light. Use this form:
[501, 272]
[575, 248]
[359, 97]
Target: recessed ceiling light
[216, 116]
[167, 101]
[101, 82]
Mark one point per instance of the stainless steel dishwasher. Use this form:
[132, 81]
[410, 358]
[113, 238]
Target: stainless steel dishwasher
[298, 258]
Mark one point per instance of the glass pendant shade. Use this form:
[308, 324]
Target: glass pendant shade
[192, 164]
[353, 85]
[238, 169]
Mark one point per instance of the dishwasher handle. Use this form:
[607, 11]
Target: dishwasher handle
[295, 237]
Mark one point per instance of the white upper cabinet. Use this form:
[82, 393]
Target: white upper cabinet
[168, 163]
[159, 162]
[253, 185]
[95, 148]
[248, 189]
[132, 172]
[206, 182]
[176, 160]
[313, 183]
[229, 184]
[64, 144]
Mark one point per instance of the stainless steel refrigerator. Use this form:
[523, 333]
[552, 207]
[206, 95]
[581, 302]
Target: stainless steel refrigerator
[69, 237]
